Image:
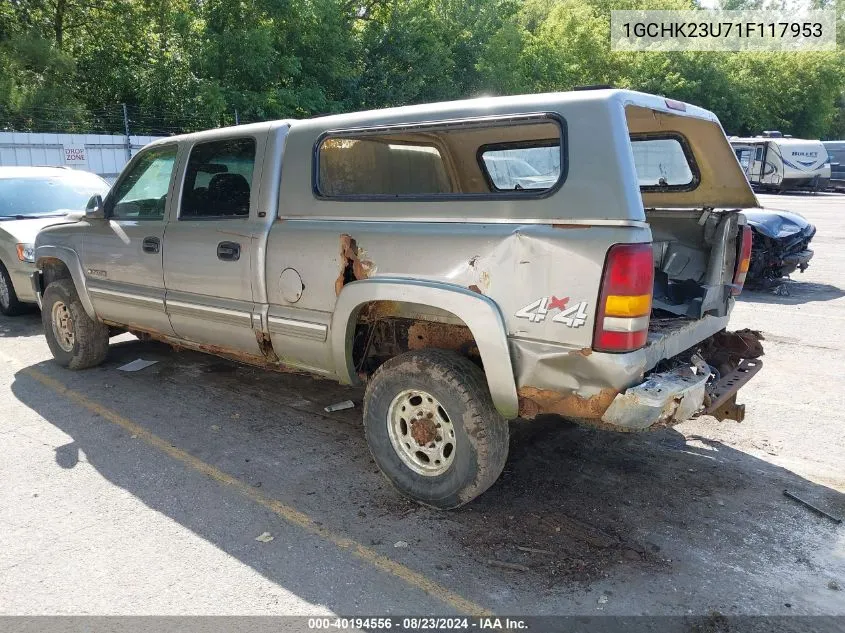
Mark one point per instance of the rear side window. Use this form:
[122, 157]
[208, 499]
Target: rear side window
[371, 166]
[515, 157]
[218, 179]
[534, 166]
[664, 163]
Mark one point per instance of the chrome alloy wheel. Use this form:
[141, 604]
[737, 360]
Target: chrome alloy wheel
[62, 326]
[421, 432]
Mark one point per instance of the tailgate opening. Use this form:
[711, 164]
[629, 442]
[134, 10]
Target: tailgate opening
[695, 258]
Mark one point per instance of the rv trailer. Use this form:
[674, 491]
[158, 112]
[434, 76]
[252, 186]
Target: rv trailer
[773, 162]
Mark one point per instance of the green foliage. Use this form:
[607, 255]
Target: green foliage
[189, 64]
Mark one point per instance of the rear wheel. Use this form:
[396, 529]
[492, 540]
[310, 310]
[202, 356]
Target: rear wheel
[9, 304]
[76, 340]
[432, 428]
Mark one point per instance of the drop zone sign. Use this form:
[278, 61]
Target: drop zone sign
[75, 155]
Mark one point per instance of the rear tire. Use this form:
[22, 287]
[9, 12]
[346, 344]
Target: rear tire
[432, 428]
[9, 304]
[75, 339]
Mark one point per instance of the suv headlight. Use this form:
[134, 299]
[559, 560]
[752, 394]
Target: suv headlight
[26, 253]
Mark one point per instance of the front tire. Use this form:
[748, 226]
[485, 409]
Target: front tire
[9, 304]
[432, 428]
[75, 339]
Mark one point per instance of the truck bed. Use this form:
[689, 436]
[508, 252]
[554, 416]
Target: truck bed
[668, 337]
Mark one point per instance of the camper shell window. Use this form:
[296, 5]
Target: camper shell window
[514, 157]
[664, 162]
[533, 165]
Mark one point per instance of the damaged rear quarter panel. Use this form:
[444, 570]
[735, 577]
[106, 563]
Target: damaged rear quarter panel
[512, 264]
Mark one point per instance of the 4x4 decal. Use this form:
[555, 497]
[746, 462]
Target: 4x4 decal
[536, 311]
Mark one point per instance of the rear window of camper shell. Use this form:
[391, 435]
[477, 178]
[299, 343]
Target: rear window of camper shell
[664, 162]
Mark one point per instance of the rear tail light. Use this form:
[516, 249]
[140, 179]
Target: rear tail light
[625, 299]
[744, 261]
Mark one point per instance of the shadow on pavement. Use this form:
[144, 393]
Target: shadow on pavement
[792, 292]
[574, 505]
[28, 324]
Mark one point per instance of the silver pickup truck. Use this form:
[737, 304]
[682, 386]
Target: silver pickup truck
[471, 262]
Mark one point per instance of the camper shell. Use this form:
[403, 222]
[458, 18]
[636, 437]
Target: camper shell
[384, 248]
[773, 162]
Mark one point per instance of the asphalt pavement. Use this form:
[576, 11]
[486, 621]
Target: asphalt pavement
[200, 486]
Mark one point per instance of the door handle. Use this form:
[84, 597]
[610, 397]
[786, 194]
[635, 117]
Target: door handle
[229, 251]
[151, 245]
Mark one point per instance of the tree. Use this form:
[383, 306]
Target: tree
[181, 65]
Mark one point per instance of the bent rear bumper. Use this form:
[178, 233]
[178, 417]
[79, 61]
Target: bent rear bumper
[678, 395]
[665, 398]
[642, 400]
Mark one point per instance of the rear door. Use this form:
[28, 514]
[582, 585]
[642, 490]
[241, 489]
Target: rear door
[208, 248]
[121, 255]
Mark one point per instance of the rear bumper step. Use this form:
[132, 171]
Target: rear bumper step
[723, 393]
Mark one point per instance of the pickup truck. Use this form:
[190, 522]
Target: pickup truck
[397, 248]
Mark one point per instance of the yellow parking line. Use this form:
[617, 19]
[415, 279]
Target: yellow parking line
[286, 512]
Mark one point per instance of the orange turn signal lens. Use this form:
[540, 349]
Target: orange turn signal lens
[627, 306]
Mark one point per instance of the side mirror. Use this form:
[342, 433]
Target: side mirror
[94, 209]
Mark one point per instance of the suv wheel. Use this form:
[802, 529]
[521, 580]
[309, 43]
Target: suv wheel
[76, 340]
[9, 304]
[432, 428]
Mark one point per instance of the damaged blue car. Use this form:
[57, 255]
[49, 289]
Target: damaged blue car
[781, 245]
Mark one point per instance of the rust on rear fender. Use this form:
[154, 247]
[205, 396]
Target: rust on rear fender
[423, 334]
[533, 402]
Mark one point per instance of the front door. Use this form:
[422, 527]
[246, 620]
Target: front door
[121, 255]
[208, 248]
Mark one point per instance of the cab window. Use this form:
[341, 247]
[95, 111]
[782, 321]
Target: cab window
[218, 179]
[142, 193]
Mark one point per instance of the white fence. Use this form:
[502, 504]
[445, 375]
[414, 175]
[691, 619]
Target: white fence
[103, 154]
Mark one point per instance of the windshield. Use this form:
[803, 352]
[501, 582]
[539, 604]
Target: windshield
[33, 197]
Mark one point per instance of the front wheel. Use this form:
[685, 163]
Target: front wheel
[432, 428]
[76, 340]
[9, 304]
